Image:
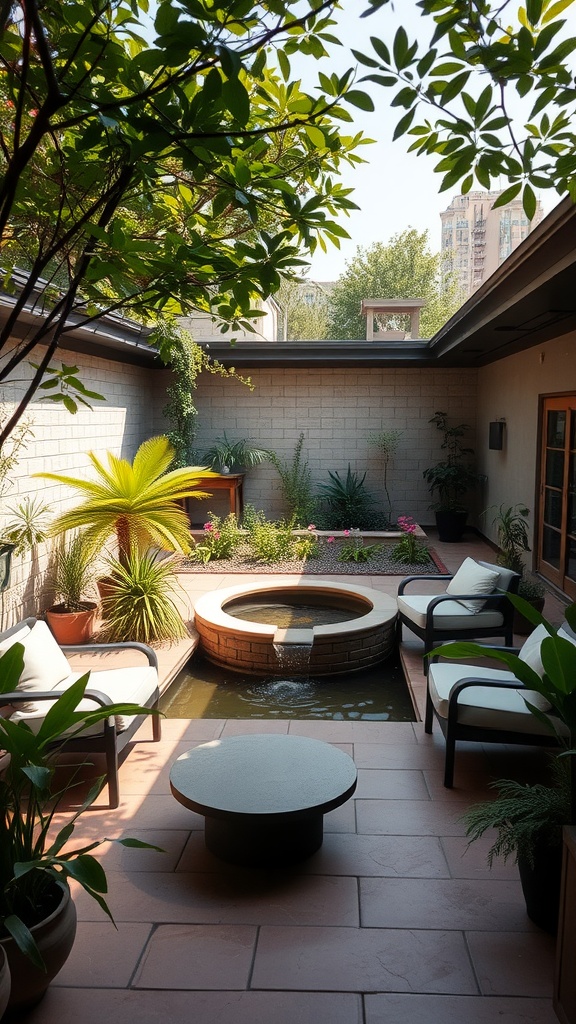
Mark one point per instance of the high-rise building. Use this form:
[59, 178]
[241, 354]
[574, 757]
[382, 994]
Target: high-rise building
[476, 238]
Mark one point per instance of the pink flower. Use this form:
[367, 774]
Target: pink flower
[208, 526]
[216, 536]
[311, 527]
[330, 540]
[346, 533]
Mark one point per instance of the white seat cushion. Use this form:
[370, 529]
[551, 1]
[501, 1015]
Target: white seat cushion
[473, 578]
[448, 614]
[133, 685]
[487, 707]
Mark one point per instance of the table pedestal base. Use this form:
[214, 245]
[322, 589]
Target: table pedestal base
[265, 842]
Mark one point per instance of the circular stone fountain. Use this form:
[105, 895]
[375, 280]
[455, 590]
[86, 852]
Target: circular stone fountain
[364, 636]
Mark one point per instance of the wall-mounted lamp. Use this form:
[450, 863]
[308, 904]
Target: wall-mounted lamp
[496, 435]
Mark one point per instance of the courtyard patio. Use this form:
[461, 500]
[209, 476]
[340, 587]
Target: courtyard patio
[393, 920]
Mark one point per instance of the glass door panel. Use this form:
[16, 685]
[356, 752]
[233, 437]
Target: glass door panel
[556, 555]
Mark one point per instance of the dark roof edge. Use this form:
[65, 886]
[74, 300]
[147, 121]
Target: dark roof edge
[563, 215]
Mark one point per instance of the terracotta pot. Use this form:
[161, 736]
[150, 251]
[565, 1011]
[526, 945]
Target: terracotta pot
[72, 627]
[54, 937]
[104, 585]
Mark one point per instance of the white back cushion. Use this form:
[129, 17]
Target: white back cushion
[472, 578]
[44, 663]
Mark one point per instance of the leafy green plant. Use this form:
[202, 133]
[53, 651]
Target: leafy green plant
[409, 550]
[138, 501]
[454, 475]
[29, 525]
[296, 481]
[220, 539]
[139, 603]
[71, 572]
[271, 542]
[354, 549]
[525, 817]
[512, 530]
[235, 455]
[34, 853]
[306, 547]
[347, 502]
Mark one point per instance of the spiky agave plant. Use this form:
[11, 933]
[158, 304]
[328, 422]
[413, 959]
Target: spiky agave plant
[140, 601]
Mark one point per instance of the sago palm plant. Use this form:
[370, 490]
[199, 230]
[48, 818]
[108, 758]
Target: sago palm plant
[138, 501]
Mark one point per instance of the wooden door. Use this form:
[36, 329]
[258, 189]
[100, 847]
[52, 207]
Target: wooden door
[556, 545]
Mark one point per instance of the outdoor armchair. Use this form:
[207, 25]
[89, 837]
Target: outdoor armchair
[486, 704]
[474, 604]
[48, 673]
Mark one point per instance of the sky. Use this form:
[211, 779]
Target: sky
[395, 190]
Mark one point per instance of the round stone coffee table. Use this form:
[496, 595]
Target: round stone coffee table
[263, 796]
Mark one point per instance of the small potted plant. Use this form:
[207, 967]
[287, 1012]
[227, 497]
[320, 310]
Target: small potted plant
[139, 604]
[512, 530]
[71, 576]
[37, 913]
[227, 456]
[451, 478]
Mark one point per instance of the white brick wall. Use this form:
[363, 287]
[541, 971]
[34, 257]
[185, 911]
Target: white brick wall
[60, 444]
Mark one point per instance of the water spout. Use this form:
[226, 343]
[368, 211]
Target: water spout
[293, 649]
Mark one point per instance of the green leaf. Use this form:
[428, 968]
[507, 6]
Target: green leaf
[24, 940]
[359, 99]
[404, 124]
[508, 195]
[529, 201]
[381, 49]
[284, 65]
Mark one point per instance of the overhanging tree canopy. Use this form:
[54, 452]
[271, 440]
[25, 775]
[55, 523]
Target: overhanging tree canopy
[164, 170]
[488, 88]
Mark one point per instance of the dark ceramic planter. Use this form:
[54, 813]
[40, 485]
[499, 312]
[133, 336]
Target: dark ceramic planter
[54, 937]
[451, 525]
[541, 886]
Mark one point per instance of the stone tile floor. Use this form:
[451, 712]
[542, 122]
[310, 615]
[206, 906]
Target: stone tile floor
[393, 921]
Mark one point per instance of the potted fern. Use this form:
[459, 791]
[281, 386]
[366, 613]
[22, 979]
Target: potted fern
[227, 456]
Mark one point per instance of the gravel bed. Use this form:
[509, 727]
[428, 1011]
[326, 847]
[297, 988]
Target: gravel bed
[327, 563]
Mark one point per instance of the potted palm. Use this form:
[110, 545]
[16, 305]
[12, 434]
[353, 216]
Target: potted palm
[37, 914]
[451, 478]
[73, 617]
[136, 502]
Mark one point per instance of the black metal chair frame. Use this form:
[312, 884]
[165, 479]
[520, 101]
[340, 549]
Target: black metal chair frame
[432, 635]
[454, 730]
[110, 742]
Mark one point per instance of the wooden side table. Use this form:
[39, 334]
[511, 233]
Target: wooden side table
[231, 482]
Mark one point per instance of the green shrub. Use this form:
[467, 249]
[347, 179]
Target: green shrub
[297, 486]
[220, 539]
[355, 550]
[271, 542]
[409, 550]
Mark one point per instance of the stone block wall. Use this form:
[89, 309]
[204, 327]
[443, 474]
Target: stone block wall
[337, 409]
